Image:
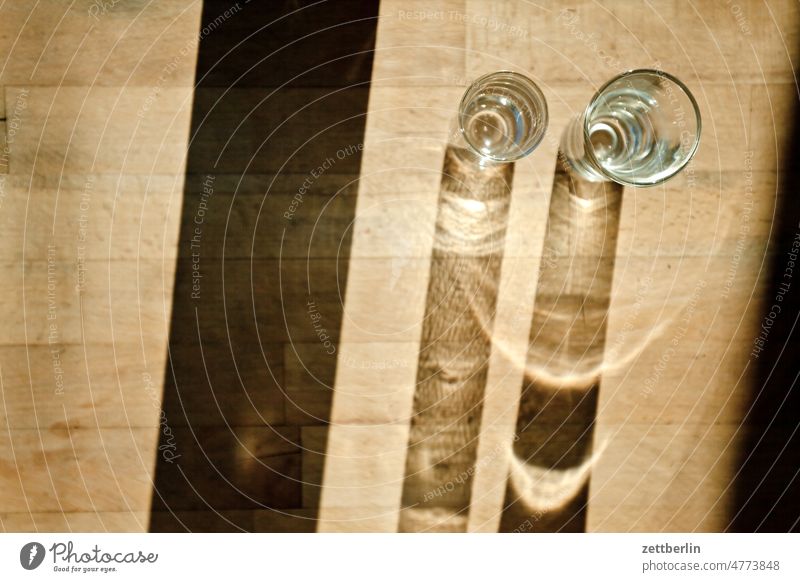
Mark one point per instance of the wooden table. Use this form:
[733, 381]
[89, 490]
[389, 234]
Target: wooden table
[97, 116]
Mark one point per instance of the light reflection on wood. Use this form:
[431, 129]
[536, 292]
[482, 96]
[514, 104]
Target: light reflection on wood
[456, 343]
[551, 457]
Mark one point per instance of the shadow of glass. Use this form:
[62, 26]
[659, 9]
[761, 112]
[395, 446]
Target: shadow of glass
[472, 217]
[552, 454]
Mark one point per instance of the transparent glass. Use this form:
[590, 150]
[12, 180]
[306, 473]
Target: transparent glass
[502, 116]
[640, 129]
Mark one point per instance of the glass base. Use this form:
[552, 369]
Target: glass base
[574, 154]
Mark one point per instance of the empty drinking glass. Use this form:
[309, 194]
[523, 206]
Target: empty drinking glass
[640, 129]
[502, 116]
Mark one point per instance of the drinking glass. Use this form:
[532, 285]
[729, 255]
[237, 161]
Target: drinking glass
[502, 116]
[640, 129]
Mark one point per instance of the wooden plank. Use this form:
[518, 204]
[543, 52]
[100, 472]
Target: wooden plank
[89, 43]
[229, 468]
[112, 301]
[354, 499]
[4, 148]
[678, 474]
[413, 32]
[79, 386]
[74, 521]
[77, 470]
[590, 43]
[91, 217]
[96, 150]
[107, 130]
[234, 521]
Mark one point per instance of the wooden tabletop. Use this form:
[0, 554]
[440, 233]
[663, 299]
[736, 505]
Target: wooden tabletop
[688, 277]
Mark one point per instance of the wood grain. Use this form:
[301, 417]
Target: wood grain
[689, 274]
[100, 185]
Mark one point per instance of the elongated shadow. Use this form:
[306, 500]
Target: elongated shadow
[552, 455]
[277, 133]
[456, 342]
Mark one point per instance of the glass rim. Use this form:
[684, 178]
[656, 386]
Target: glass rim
[542, 110]
[646, 71]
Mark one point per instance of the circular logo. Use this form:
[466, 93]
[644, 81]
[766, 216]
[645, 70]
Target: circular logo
[31, 555]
